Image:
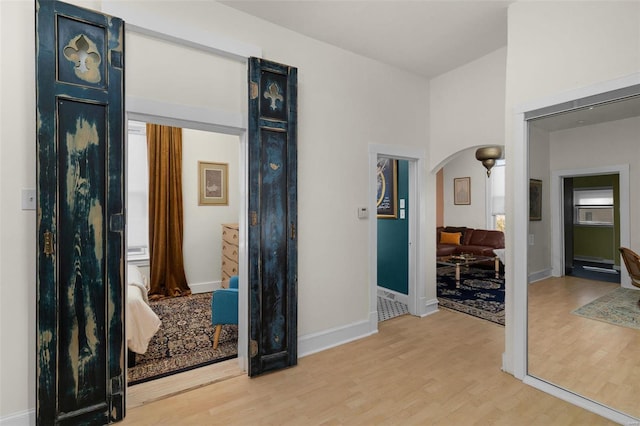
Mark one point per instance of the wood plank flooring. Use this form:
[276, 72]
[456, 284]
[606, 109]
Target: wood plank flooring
[595, 359]
[443, 369]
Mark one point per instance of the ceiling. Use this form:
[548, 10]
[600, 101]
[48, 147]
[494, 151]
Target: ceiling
[424, 37]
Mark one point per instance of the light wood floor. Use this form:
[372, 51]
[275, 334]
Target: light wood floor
[595, 359]
[443, 369]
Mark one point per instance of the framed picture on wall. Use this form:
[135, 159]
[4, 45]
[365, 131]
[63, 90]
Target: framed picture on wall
[387, 194]
[462, 191]
[535, 199]
[213, 183]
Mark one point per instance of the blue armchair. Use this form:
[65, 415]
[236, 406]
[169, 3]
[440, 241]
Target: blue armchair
[224, 308]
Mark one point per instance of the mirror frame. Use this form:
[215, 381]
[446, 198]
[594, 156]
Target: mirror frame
[519, 161]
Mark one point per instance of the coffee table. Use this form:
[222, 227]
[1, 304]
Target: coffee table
[467, 260]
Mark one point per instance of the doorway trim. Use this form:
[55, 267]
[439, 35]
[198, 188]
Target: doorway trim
[417, 230]
[198, 118]
[557, 210]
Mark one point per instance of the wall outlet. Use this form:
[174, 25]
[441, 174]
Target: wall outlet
[363, 212]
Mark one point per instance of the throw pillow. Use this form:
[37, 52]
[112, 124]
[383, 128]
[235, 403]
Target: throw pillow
[450, 238]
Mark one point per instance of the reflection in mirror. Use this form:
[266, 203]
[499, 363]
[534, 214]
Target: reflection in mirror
[583, 324]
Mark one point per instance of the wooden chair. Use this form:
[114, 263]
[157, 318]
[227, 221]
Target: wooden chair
[632, 262]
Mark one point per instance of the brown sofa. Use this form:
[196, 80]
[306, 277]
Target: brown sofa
[480, 242]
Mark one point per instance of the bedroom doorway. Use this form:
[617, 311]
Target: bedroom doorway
[173, 349]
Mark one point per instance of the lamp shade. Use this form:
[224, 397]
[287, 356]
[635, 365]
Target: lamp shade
[488, 156]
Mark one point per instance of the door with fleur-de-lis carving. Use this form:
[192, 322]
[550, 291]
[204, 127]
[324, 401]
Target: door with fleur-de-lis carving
[272, 234]
[80, 222]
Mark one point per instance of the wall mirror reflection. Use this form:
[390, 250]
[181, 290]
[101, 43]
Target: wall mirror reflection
[583, 316]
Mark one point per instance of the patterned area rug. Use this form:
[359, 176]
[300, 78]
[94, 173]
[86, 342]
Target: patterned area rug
[480, 293]
[388, 309]
[619, 307]
[184, 341]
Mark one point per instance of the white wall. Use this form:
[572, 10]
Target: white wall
[467, 106]
[340, 112]
[539, 259]
[555, 47]
[202, 224]
[464, 164]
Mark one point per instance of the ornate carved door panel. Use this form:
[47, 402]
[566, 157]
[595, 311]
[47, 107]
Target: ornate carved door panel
[80, 352]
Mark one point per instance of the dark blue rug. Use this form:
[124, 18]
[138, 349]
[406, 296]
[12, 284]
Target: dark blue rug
[480, 293]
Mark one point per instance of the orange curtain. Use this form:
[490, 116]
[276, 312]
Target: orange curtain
[164, 146]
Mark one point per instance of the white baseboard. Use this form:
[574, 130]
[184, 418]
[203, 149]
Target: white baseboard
[317, 342]
[393, 295]
[539, 275]
[429, 307]
[23, 418]
[205, 287]
[587, 404]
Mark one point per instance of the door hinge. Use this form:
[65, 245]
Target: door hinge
[116, 385]
[293, 231]
[117, 222]
[253, 348]
[254, 218]
[48, 243]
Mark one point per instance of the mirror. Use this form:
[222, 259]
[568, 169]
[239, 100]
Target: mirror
[583, 178]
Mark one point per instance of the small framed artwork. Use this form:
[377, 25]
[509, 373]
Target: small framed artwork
[462, 191]
[213, 182]
[535, 199]
[387, 195]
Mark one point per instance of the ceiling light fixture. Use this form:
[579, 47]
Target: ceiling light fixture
[488, 156]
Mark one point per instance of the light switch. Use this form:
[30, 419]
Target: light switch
[363, 212]
[402, 203]
[28, 199]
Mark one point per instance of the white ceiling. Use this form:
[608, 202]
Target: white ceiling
[425, 37]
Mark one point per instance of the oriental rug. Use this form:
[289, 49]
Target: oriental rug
[479, 292]
[184, 340]
[618, 307]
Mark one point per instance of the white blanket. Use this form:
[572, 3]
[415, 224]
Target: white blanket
[141, 323]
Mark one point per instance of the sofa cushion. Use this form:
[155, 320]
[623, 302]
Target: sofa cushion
[444, 250]
[487, 238]
[450, 238]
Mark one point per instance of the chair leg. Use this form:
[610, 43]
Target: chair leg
[216, 336]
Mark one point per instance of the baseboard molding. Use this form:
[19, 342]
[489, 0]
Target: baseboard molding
[587, 404]
[429, 307]
[316, 342]
[539, 275]
[393, 295]
[23, 418]
[205, 287]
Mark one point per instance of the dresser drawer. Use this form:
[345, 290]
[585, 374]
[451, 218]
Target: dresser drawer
[230, 250]
[230, 235]
[229, 267]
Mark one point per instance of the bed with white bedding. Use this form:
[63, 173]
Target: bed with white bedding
[141, 322]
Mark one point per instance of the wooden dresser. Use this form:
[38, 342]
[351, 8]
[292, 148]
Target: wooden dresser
[230, 238]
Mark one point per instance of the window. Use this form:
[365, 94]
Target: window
[137, 194]
[495, 197]
[593, 206]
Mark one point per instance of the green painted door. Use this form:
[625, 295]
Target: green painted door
[80, 222]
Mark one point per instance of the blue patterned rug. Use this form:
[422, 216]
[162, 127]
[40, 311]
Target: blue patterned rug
[479, 294]
[619, 307]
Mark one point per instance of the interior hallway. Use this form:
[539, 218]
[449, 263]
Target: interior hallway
[443, 369]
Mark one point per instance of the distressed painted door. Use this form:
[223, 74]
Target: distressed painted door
[273, 275]
[80, 353]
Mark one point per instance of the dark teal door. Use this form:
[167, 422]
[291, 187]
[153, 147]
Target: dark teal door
[80, 352]
[272, 216]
